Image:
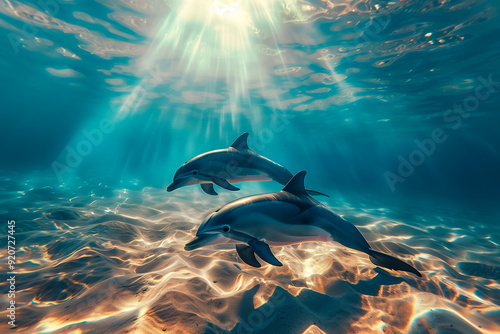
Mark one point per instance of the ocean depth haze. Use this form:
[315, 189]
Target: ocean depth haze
[250, 166]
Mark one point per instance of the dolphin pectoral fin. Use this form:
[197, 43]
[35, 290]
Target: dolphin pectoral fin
[264, 252]
[247, 255]
[387, 261]
[224, 184]
[209, 188]
[315, 193]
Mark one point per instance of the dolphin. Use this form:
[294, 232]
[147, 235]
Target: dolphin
[283, 218]
[235, 164]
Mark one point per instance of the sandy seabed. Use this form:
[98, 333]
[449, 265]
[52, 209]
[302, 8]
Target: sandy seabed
[91, 259]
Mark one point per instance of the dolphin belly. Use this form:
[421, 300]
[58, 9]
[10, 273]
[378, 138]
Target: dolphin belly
[248, 174]
[294, 235]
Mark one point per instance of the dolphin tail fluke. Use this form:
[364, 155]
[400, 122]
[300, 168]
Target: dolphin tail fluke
[387, 261]
[315, 193]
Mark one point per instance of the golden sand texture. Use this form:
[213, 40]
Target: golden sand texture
[97, 260]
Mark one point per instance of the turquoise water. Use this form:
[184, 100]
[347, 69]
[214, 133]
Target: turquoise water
[390, 106]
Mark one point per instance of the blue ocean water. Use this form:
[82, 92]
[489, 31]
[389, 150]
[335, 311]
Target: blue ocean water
[392, 108]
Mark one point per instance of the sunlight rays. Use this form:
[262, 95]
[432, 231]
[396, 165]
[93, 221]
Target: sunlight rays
[218, 43]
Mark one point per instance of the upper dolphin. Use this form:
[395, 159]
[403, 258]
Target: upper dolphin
[238, 163]
[287, 217]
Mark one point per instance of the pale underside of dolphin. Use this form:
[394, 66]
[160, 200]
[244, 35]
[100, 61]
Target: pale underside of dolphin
[287, 217]
[223, 167]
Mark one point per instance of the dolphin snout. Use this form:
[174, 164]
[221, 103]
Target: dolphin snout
[191, 245]
[175, 184]
[200, 240]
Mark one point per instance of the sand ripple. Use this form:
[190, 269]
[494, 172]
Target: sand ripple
[100, 260]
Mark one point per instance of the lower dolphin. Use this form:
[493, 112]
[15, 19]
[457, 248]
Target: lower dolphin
[287, 217]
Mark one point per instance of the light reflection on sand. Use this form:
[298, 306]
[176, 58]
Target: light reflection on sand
[114, 262]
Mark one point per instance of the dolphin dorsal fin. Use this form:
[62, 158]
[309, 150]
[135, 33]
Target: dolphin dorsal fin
[241, 142]
[296, 184]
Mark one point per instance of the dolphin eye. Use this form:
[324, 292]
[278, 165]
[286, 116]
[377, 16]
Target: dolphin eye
[195, 172]
[226, 228]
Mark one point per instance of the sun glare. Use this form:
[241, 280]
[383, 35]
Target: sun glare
[222, 48]
[217, 42]
[228, 9]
